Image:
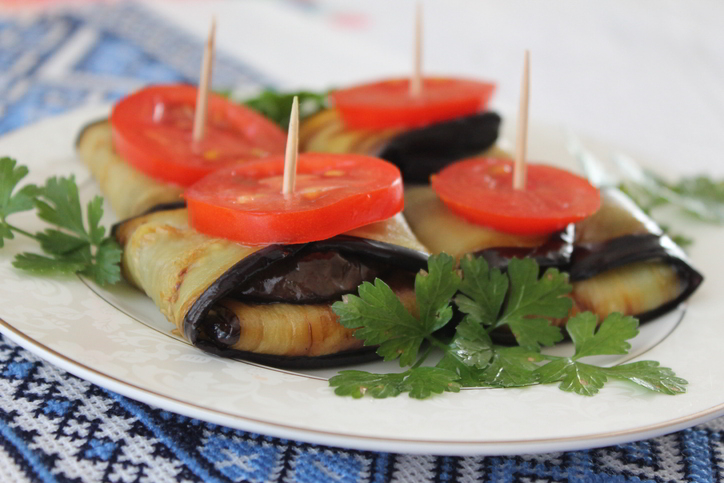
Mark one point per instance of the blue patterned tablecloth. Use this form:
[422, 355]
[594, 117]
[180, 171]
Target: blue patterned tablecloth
[56, 427]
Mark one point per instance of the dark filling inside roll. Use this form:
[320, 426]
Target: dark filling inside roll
[312, 278]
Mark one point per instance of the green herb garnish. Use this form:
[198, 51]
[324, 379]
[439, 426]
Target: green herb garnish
[71, 248]
[518, 301]
[699, 197]
[277, 106]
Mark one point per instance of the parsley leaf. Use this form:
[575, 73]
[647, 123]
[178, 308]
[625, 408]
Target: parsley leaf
[32, 262]
[72, 245]
[360, 383]
[472, 344]
[511, 367]
[650, 375]
[483, 290]
[22, 200]
[420, 382]
[531, 300]
[71, 248]
[423, 382]
[382, 319]
[106, 268]
[574, 376]
[434, 291]
[611, 338]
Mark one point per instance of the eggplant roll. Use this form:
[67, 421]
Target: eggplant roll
[268, 304]
[129, 191]
[417, 152]
[623, 262]
[620, 261]
[441, 230]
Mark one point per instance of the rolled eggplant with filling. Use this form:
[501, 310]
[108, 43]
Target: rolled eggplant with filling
[418, 152]
[622, 262]
[619, 261]
[269, 304]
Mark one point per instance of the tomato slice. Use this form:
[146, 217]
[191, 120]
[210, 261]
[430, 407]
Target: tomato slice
[481, 191]
[152, 130]
[333, 194]
[388, 103]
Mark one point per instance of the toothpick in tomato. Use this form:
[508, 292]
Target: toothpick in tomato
[333, 194]
[152, 130]
[388, 103]
[481, 191]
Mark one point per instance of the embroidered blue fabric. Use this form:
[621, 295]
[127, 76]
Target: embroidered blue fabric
[55, 427]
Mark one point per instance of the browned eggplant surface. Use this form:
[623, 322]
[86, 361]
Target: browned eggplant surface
[267, 304]
[129, 191]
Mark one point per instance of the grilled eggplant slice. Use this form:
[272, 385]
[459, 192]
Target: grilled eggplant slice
[417, 152]
[129, 191]
[246, 302]
[622, 262]
[441, 230]
[325, 132]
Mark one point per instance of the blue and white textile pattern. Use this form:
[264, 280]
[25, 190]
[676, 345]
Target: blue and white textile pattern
[55, 427]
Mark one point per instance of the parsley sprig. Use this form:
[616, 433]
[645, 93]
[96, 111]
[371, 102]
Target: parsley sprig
[70, 247]
[518, 301]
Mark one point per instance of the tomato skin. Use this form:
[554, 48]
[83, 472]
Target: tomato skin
[152, 131]
[387, 103]
[334, 194]
[481, 191]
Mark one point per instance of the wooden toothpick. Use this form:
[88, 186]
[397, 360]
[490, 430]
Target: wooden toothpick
[522, 140]
[202, 98]
[416, 79]
[292, 152]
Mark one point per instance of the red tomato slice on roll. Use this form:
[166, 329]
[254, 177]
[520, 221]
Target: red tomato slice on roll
[152, 131]
[481, 191]
[333, 194]
[388, 103]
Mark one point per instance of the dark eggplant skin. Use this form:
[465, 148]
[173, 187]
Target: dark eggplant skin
[419, 153]
[556, 252]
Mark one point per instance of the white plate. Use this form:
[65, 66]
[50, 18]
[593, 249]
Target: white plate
[88, 331]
